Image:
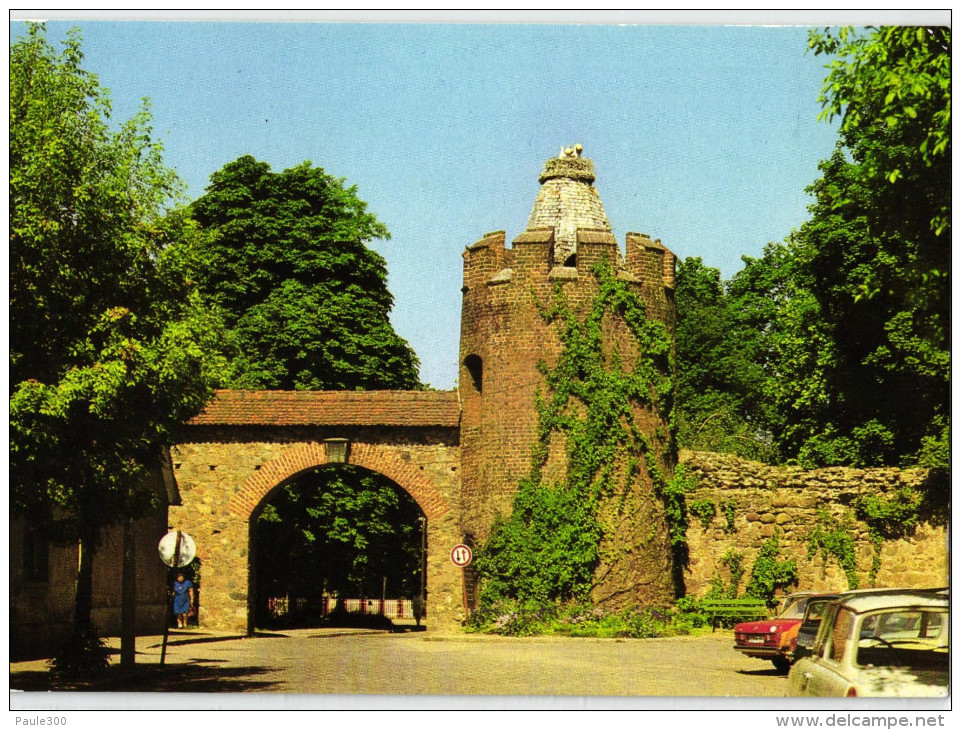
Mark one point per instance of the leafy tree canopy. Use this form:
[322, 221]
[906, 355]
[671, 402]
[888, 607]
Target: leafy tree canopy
[720, 363]
[111, 346]
[878, 243]
[306, 300]
[837, 341]
[892, 86]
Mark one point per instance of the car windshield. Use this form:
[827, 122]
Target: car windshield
[822, 637]
[911, 638]
[815, 610]
[793, 607]
[812, 619]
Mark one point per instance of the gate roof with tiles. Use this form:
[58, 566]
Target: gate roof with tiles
[331, 408]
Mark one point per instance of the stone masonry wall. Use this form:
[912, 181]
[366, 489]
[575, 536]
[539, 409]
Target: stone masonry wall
[785, 500]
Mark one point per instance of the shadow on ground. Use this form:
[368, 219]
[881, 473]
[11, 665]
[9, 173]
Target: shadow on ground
[186, 639]
[341, 620]
[195, 676]
[772, 672]
[338, 620]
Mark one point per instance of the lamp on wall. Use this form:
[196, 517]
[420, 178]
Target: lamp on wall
[337, 450]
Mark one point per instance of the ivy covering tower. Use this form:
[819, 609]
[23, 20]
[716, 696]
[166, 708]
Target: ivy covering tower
[567, 385]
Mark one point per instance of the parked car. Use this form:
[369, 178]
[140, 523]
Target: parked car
[774, 639]
[810, 623]
[882, 643]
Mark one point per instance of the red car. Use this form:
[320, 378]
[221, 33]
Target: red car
[774, 638]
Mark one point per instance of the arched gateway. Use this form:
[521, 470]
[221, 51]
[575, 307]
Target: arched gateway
[248, 443]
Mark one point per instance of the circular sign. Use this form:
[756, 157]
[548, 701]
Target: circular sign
[168, 546]
[461, 556]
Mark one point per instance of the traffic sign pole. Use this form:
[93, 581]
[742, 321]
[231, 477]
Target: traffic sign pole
[176, 561]
[461, 556]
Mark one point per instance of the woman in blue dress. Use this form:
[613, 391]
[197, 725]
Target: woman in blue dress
[183, 597]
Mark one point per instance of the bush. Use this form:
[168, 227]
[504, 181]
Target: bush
[769, 573]
[704, 510]
[648, 624]
[832, 537]
[734, 560]
[513, 618]
[81, 657]
[577, 619]
[690, 613]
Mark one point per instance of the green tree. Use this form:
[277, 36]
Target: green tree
[878, 245]
[775, 329]
[836, 342]
[111, 347]
[307, 305]
[891, 88]
[704, 394]
[338, 532]
[720, 368]
[306, 300]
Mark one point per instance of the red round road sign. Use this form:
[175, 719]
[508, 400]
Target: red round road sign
[461, 556]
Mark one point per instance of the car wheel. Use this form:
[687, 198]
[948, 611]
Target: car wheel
[782, 664]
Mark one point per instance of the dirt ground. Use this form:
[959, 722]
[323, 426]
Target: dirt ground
[348, 662]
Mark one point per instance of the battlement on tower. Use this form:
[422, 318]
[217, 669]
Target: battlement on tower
[566, 235]
[648, 263]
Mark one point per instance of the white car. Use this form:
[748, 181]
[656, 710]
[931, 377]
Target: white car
[879, 643]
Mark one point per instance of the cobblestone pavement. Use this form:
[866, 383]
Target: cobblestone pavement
[345, 662]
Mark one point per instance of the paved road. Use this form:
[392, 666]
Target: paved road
[358, 662]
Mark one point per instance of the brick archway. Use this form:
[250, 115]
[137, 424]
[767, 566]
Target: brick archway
[302, 457]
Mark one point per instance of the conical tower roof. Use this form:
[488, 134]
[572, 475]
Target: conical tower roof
[567, 201]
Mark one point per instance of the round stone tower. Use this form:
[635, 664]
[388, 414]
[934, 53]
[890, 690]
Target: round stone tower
[504, 338]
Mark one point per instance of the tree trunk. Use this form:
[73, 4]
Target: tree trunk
[90, 533]
[83, 602]
[128, 598]
[89, 542]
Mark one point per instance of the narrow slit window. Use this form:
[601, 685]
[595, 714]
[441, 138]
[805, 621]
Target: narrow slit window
[475, 368]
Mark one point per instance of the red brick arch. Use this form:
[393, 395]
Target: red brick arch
[302, 457]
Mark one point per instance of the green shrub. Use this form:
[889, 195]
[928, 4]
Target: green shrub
[513, 618]
[832, 538]
[769, 573]
[729, 517]
[891, 517]
[704, 510]
[735, 563]
[690, 613]
[888, 518]
[83, 656]
[577, 619]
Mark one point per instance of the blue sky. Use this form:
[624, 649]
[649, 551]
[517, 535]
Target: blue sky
[702, 136]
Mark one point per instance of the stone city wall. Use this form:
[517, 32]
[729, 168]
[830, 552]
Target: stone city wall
[770, 500]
